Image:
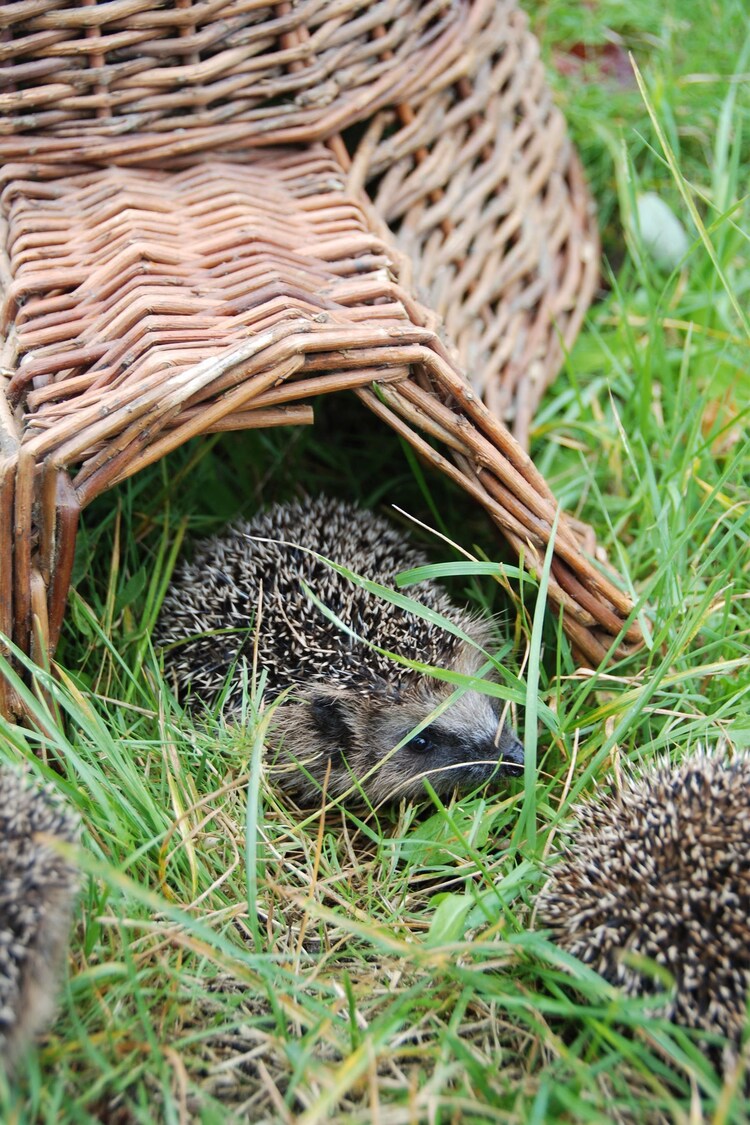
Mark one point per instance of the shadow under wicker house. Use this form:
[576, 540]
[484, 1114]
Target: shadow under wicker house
[212, 213]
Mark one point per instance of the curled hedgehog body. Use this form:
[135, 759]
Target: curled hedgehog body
[37, 891]
[659, 870]
[347, 704]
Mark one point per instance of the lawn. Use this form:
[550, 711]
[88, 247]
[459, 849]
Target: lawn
[236, 959]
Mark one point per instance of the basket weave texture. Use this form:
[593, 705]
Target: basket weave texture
[451, 125]
[176, 261]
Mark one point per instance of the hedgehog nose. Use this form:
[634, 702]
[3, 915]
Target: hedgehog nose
[511, 754]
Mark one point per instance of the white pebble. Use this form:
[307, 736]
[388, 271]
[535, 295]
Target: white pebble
[662, 233]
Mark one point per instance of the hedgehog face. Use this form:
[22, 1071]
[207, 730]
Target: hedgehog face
[465, 747]
[344, 739]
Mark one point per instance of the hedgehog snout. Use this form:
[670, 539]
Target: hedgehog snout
[452, 761]
[475, 722]
[466, 747]
[492, 758]
[511, 752]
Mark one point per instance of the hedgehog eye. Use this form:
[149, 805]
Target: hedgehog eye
[421, 743]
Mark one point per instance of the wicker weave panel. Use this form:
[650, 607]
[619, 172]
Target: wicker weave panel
[454, 135]
[485, 193]
[221, 71]
[121, 273]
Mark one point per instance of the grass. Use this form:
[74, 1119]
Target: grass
[234, 959]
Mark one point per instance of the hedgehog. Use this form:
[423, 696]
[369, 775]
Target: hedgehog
[37, 892]
[660, 869]
[345, 707]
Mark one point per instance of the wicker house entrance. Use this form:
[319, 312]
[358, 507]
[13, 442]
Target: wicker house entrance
[214, 212]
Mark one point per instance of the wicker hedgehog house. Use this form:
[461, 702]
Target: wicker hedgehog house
[213, 212]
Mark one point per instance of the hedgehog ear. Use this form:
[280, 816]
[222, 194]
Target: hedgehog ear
[329, 717]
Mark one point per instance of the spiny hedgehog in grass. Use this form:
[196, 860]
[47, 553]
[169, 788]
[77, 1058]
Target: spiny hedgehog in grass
[349, 704]
[661, 870]
[37, 891]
